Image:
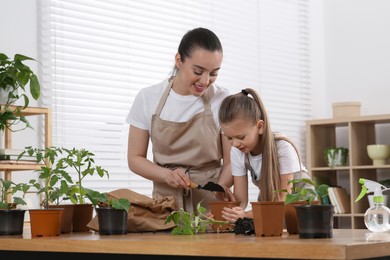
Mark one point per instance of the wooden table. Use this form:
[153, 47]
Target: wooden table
[345, 244]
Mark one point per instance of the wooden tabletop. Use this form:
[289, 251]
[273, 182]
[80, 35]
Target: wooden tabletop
[345, 244]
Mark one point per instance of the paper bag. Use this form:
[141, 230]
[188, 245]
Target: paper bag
[145, 213]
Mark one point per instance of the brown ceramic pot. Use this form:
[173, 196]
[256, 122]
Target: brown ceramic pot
[268, 218]
[67, 217]
[82, 215]
[45, 222]
[216, 208]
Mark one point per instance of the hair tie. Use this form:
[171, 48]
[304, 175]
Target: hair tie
[244, 92]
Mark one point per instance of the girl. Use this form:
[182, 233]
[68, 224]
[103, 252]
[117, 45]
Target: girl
[270, 157]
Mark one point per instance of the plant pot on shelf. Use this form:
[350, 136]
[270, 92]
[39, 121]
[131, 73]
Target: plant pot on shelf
[315, 221]
[82, 215]
[268, 218]
[216, 208]
[45, 222]
[112, 221]
[11, 221]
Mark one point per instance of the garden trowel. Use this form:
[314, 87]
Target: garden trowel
[210, 186]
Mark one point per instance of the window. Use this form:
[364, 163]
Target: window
[97, 54]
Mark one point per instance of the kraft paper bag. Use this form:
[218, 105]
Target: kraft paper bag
[145, 213]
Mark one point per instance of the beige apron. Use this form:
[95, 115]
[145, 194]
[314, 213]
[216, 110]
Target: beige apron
[195, 144]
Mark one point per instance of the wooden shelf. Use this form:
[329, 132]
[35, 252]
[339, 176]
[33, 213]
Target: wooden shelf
[29, 111]
[354, 133]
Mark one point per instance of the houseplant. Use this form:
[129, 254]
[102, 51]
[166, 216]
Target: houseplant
[112, 212]
[315, 220]
[11, 217]
[83, 163]
[192, 223]
[14, 76]
[51, 183]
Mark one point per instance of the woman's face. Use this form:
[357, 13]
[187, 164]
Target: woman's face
[244, 135]
[197, 72]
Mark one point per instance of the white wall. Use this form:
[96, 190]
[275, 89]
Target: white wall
[351, 53]
[357, 54]
[19, 34]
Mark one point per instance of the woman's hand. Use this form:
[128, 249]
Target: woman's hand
[177, 178]
[232, 214]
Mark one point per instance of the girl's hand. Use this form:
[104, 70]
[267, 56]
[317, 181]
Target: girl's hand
[232, 214]
[225, 196]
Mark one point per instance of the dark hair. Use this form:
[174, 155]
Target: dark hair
[198, 38]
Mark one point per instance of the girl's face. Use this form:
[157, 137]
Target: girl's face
[244, 135]
[197, 72]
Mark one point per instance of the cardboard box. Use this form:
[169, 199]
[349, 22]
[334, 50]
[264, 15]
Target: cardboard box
[346, 109]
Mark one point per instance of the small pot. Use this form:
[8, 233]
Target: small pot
[216, 208]
[336, 156]
[112, 221]
[11, 222]
[315, 221]
[268, 217]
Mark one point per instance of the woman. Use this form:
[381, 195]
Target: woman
[270, 157]
[180, 116]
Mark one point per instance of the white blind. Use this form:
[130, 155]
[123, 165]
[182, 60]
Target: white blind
[97, 54]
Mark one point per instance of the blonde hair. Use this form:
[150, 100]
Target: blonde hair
[241, 105]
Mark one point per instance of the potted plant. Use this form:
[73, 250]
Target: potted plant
[294, 198]
[315, 217]
[111, 212]
[191, 223]
[14, 76]
[11, 217]
[50, 184]
[83, 163]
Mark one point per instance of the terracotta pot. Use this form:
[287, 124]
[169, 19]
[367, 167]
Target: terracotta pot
[112, 221]
[268, 218]
[67, 217]
[315, 221]
[82, 215]
[45, 222]
[216, 208]
[11, 222]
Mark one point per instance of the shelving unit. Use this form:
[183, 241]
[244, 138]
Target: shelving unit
[30, 111]
[356, 134]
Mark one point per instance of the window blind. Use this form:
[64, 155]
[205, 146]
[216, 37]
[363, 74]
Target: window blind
[97, 54]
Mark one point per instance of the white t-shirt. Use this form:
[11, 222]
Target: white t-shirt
[177, 108]
[288, 161]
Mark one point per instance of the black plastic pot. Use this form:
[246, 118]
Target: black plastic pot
[112, 221]
[315, 221]
[11, 222]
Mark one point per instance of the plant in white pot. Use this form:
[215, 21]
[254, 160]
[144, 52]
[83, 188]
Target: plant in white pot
[12, 217]
[14, 77]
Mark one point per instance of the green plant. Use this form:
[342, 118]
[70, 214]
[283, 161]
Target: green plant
[51, 173]
[305, 190]
[82, 161]
[189, 223]
[103, 200]
[14, 76]
[7, 187]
